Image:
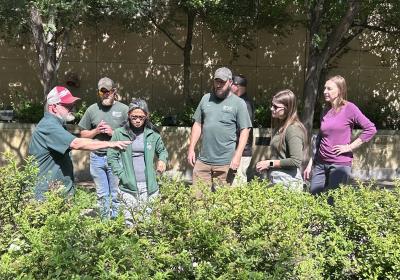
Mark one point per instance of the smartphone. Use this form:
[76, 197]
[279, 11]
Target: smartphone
[230, 176]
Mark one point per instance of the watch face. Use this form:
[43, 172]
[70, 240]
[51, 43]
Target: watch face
[271, 163]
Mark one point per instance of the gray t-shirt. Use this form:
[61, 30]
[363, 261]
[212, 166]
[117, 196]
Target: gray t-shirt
[138, 158]
[113, 115]
[219, 120]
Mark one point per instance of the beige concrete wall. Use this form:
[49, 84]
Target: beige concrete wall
[377, 159]
[151, 67]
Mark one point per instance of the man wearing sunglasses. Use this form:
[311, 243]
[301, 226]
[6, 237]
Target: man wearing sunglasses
[98, 123]
[51, 144]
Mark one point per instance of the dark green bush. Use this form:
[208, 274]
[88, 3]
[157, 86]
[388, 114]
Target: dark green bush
[262, 116]
[251, 232]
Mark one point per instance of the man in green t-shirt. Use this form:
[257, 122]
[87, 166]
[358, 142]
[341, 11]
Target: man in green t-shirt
[51, 144]
[99, 122]
[217, 118]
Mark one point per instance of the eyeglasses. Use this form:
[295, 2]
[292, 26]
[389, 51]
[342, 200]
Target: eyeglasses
[133, 117]
[276, 108]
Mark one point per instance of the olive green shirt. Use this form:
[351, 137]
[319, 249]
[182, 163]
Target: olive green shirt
[291, 153]
[113, 115]
[220, 119]
[50, 145]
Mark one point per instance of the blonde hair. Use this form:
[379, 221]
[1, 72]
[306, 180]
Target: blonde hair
[340, 82]
[288, 99]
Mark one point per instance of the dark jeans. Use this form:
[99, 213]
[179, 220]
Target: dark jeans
[326, 176]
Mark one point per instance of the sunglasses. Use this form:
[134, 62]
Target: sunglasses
[104, 91]
[133, 118]
[275, 107]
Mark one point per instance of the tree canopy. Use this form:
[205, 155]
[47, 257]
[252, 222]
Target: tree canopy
[48, 23]
[331, 26]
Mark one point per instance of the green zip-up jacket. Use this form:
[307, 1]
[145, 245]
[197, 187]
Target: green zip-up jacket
[121, 160]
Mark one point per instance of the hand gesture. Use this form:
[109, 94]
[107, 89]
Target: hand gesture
[341, 149]
[100, 127]
[307, 173]
[191, 158]
[235, 162]
[263, 165]
[107, 129]
[121, 145]
[161, 166]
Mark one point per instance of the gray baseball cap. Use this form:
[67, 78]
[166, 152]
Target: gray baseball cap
[106, 83]
[223, 73]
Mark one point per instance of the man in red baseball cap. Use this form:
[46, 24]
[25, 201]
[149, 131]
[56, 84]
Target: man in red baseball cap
[51, 144]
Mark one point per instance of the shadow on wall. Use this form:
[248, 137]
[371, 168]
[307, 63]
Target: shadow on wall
[15, 138]
[379, 158]
[176, 140]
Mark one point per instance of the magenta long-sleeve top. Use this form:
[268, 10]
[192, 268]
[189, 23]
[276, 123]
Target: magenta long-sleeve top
[336, 128]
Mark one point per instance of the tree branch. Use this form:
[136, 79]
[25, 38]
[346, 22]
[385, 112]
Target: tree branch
[345, 41]
[62, 48]
[36, 25]
[336, 37]
[316, 15]
[378, 28]
[162, 29]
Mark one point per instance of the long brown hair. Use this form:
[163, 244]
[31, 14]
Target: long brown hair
[340, 82]
[288, 99]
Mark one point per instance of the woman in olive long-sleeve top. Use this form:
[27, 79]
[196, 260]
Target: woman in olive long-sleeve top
[288, 143]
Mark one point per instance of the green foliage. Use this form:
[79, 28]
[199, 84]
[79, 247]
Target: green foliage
[183, 118]
[80, 111]
[262, 116]
[250, 232]
[25, 109]
[16, 184]
[383, 112]
[29, 112]
[157, 117]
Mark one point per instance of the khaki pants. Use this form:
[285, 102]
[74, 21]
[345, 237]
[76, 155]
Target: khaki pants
[211, 175]
[241, 175]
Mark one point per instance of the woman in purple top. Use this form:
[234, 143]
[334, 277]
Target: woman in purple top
[331, 165]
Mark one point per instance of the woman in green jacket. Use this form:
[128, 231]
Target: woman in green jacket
[134, 166]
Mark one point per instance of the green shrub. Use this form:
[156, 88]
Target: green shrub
[262, 116]
[29, 112]
[16, 185]
[250, 232]
[80, 111]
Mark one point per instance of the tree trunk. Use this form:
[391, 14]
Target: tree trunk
[46, 53]
[187, 54]
[320, 56]
[311, 87]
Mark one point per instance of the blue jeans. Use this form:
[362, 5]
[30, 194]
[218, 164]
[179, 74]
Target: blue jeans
[326, 176]
[106, 186]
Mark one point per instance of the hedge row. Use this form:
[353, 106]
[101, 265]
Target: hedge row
[252, 232]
